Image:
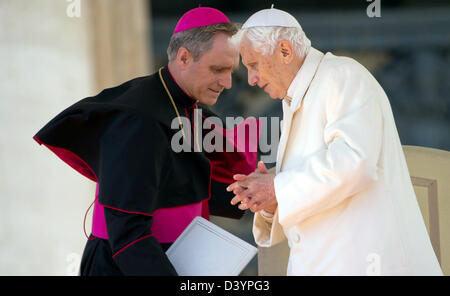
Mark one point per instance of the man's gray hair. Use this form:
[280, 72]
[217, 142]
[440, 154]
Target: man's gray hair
[198, 40]
[265, 39]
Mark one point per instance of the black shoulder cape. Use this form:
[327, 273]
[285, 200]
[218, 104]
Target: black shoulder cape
[121, 136]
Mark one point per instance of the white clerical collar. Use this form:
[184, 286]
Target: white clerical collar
[302, 80]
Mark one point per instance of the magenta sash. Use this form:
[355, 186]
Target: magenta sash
[167, 225]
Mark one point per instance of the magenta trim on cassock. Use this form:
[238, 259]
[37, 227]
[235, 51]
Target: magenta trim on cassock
[98, 219]
[71, 159]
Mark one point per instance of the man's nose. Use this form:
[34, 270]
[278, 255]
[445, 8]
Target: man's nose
[226, 81]
[252, 79]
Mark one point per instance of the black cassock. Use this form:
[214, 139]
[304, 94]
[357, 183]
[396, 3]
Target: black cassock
[146, 192]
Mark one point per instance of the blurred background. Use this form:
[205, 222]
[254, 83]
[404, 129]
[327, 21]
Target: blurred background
[56, 52]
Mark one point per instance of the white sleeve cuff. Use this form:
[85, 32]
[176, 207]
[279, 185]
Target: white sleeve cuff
[267, 216]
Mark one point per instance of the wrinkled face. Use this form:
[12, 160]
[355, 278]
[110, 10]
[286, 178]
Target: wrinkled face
[265, 71]
[206, 78]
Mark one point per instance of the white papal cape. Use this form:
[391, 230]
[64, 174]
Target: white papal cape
[345, 200]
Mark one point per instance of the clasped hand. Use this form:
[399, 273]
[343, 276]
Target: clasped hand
[255, 191]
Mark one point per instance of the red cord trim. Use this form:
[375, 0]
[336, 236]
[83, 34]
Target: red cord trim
[84, 221]
[123, 249]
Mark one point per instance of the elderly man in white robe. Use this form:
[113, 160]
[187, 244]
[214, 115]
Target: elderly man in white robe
[341, 194]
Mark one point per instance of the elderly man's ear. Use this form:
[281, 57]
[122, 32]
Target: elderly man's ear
[285, 51]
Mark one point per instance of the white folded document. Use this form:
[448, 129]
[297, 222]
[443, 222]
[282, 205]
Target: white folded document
[206, 249]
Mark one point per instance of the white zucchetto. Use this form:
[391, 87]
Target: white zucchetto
[271, 17]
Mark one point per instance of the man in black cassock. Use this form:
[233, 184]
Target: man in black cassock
[122, 139]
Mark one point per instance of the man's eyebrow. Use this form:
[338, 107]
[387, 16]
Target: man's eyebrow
[220, 68]
[248, 62]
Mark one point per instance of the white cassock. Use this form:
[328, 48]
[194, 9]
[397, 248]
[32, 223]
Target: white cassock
[345, 198]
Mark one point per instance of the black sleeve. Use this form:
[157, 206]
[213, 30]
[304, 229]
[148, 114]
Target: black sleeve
[135, 250]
